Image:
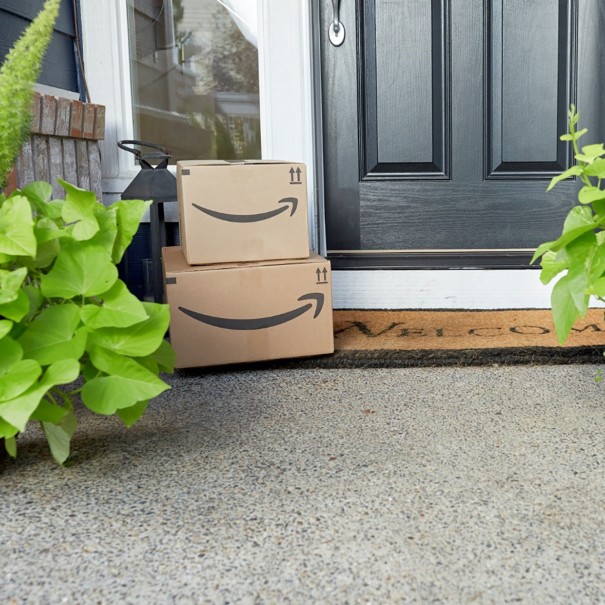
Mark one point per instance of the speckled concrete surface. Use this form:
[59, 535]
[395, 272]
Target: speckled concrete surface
[474, 485]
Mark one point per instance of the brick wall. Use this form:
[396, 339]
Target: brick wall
[64, 142]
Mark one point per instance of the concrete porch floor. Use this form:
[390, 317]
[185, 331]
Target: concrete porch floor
[442, 485]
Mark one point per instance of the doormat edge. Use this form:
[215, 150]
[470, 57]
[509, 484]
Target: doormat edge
[388, 358]
[392, 359]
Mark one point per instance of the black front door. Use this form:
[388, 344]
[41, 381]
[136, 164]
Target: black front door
[441, 126]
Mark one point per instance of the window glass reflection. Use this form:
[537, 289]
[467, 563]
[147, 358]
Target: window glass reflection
[194, 67]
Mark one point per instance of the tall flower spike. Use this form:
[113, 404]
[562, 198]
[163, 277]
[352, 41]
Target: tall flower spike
[18, 74]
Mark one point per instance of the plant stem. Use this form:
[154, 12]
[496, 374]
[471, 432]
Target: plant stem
[52, 399]
[65, 397]
[576, 151]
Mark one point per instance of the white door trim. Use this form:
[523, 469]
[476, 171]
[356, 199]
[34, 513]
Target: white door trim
[107, 69]
[285, 54]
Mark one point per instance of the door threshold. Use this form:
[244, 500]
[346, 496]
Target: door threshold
[441, 289]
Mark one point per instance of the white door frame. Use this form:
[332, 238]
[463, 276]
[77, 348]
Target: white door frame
[291, 130]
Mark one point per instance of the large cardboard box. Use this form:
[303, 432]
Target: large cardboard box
[242, 211]
[241, 312]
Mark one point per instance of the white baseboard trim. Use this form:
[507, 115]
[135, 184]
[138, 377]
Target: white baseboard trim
[454, 289]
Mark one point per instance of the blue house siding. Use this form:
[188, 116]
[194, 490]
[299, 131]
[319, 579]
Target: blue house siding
[60, 67]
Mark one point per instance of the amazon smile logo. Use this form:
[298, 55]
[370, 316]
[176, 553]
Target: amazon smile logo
[316, 298]
[252, 218]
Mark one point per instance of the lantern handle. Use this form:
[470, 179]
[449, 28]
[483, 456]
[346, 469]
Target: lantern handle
[162, 154]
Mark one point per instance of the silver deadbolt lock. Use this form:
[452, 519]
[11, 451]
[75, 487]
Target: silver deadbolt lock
[336, 33]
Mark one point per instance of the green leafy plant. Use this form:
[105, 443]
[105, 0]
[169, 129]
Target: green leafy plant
[579, 252]
[69, 328]
[65, 314]
[18, 74]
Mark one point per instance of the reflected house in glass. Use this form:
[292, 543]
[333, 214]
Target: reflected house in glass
[162, 85]
[195, 78]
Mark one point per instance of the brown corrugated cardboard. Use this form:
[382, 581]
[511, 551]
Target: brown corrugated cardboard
[242, 211]
[241, 312]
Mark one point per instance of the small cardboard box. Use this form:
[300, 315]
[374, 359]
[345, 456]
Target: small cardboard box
[242, 211]
[241, 312]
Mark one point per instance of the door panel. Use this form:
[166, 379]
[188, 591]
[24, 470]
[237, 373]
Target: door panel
[408, 69]
[441, 124]
[530, 104]
[528, 91]
[404, 89]
[461, 222]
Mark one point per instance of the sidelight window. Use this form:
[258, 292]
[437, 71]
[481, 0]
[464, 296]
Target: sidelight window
[194, 77]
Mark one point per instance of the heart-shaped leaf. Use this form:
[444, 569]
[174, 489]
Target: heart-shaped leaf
[129, 215]
[120, 309]
[10, 353]
[569, 302]
[18, 411]
[39, 193]
[17, 227]
[10, 283]
[49, 412]
[130, 415]
[35, 300]
[126, 384]
[80, 270]
[10, 445]
[59, 436]
[79, 209]
[591, 152]
[19, 378]
[580, 220]
[7, 431]
[16, 309]
[596, 169]
[46, 230]
[595, 262]
[138, 340]
[165, 357]
[588, 195]
[54, 335]
[5, 327]
[108, 228]
[551, 267]
[573, 171]
[580, 251]
[48, 236]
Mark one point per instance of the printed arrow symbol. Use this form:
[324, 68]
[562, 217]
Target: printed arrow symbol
[289, 200]
[318, 297]
[251, 218]
[298, 171]
[325, 272]
[291, 174]
[261, 322]
[318, 271]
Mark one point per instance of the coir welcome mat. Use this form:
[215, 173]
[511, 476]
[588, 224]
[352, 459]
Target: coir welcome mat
[402, 338]
[366, 338]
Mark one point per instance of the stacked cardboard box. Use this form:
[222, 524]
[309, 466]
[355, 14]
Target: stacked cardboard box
[243, 286]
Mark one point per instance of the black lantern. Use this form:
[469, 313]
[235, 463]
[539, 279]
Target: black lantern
[154, 182]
